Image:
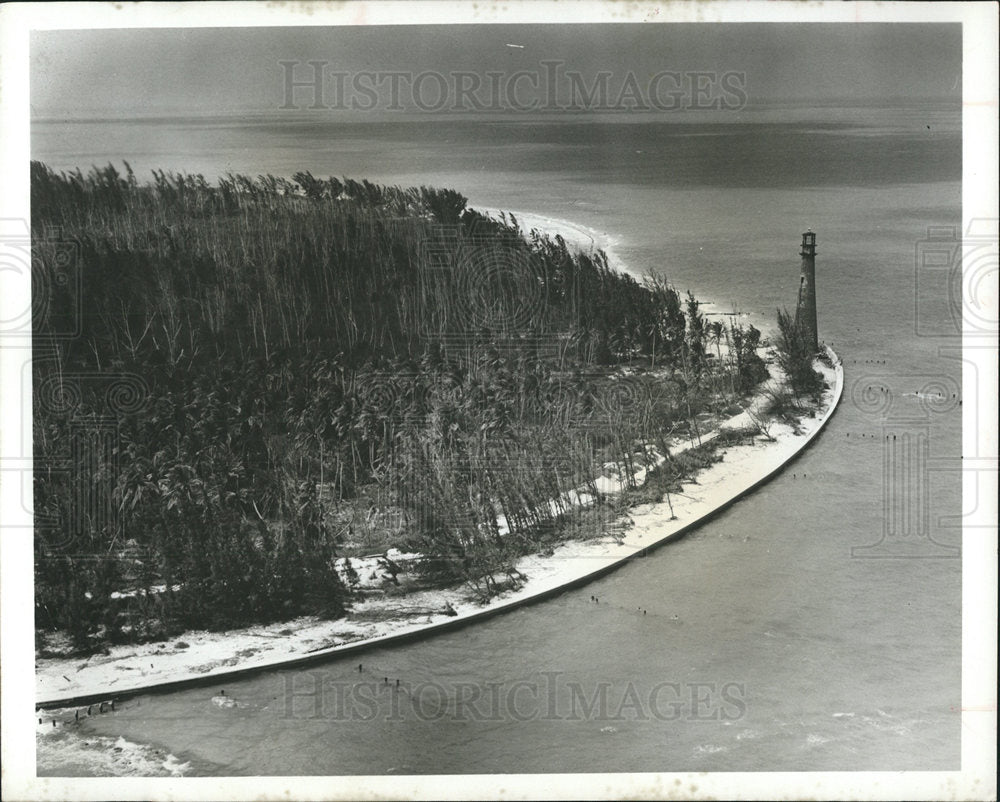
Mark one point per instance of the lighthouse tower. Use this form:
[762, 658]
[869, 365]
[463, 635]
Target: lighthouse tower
[805, 312]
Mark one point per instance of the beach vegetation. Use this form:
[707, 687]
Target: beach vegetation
[795, 356]
[239, 384]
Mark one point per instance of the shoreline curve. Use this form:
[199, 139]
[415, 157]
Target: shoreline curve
[832, 399]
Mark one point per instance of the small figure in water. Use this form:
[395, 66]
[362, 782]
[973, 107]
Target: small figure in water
[397, 683]
[76, 716]
[385, 680]
[222, 693]
[359, 668]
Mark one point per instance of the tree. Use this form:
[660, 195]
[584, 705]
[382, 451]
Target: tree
[750, 368]
[795, 355]
[695, 336]
[667, 329]
[761, 419]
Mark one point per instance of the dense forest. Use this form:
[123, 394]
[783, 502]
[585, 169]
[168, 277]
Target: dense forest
[237, 385]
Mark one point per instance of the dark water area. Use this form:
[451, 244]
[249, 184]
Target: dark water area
[815, 625]
[663, 153]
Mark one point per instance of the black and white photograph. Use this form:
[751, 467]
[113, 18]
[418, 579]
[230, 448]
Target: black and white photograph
[556, 400]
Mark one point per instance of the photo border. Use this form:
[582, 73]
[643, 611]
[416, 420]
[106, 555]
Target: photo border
[976, 780]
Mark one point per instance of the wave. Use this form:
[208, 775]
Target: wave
[67, 751]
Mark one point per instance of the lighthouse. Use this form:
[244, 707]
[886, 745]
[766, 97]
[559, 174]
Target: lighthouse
[805, 312]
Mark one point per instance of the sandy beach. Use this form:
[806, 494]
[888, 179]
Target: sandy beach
[198, 657]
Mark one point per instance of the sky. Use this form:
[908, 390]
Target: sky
[146, 72]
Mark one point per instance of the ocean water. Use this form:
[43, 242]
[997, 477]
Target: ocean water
[815, 625]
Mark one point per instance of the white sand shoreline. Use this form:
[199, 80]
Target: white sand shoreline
[133, 669]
